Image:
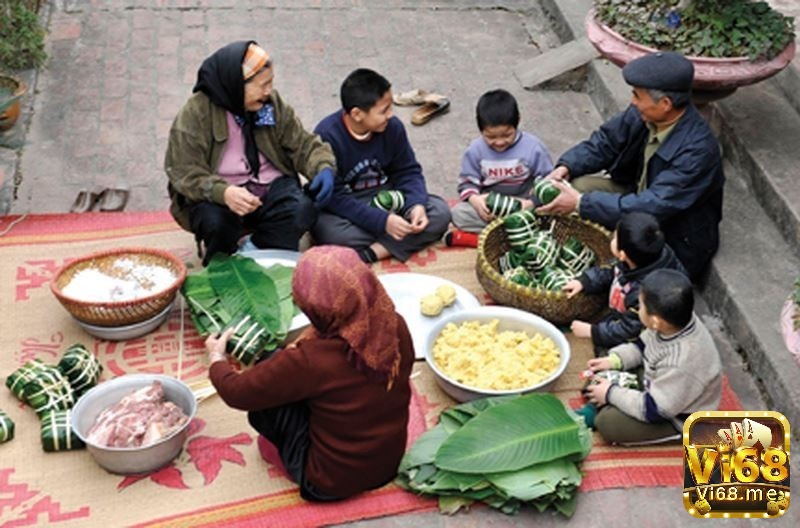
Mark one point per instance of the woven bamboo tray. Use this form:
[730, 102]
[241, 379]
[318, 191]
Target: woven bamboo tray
[119, 313]
[552, 305]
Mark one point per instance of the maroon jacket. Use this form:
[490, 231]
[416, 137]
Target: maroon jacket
[357, 429]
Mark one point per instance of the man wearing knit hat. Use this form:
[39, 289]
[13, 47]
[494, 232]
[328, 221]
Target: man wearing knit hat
[234, 154]
[661, 157]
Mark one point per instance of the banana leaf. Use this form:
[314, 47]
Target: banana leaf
[451, 504]
[208, 314]
[245, 289]
[567, 507]
[424, 449]
[527, 430]
[537, 480]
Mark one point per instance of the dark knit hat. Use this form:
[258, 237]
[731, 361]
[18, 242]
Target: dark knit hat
[663, 70]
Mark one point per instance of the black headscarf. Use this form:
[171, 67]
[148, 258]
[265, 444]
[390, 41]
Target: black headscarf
[220, 78]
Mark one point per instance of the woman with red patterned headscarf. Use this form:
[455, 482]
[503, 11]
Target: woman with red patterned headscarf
[335, 402]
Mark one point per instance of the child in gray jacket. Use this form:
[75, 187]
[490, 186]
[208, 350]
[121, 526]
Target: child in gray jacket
[682, 372]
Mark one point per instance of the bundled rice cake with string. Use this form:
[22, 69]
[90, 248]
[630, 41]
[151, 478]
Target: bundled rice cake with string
[6, 428]
[57, 433]
[81, 368]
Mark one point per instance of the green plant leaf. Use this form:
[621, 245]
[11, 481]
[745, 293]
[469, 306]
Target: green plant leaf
[535, 481]
[205, 307]
[527, 430]
[424, 449]
[450, 505]
[245, 289]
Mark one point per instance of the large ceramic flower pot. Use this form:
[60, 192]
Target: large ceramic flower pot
[714, 78]
[791, 335]
[16, 88]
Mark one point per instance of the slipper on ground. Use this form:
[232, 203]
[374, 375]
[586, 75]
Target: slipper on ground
[85, 201]
[411, 97]
[430, 110]
[114, 199]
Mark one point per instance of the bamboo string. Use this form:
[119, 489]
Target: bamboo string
[180, 340]
[12, 224]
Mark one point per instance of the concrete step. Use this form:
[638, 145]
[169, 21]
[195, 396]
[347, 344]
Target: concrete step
[788, 81]
[555, 62]
[755, 268]
[750, 278]
[761, 136]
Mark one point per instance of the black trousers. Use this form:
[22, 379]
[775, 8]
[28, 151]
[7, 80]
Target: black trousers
[284, 215]
[287, 428]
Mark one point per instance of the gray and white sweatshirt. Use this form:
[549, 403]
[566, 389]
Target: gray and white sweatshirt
[510, 172]
[682, 374]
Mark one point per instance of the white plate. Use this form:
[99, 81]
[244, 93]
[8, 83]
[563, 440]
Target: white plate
[284, 257]
[406, 290]
[123, 333]
[268, 257]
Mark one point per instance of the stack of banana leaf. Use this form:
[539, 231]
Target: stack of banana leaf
[505, 452]
[236, 292]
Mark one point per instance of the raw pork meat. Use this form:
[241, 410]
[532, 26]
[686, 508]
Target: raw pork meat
[139, 419]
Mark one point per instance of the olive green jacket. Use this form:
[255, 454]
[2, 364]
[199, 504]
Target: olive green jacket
[197, 139]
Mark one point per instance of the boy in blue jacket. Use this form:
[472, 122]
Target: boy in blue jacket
[638, 245]
[373, 154]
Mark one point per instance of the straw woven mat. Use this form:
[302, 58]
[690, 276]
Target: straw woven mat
[219, 478]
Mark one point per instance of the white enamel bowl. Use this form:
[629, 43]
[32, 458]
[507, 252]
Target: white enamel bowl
[132, 460]
[509, 319]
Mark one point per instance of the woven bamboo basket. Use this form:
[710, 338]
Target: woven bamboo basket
[125, 312]
[551, 305]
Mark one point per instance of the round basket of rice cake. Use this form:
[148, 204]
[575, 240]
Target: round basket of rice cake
[119, 287]
[548, 242]
[495, 351]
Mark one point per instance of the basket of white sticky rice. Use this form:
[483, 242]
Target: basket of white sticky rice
[119, 287]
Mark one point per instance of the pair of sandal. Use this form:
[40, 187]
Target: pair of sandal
[433, 104]
[106, 200]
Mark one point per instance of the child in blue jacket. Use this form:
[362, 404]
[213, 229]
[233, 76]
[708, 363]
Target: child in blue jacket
[639, 247]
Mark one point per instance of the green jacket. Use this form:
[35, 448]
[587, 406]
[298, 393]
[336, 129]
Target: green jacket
[197, 139]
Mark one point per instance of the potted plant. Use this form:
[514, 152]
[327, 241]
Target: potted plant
[21, 35]
[11, 91]
[790, 322]
[732, 43]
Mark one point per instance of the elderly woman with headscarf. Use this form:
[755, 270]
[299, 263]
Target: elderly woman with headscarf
[235, 150]
[334, 403]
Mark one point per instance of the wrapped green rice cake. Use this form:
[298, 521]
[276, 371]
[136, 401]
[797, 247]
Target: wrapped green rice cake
[575, 256]
[248, 340]
[553, 278]
[81, 368]
[542, 251]
[519, 275]
[17, 380]
[520, 228]
[501, 205]
[390, 201]
[57, 434]
[545, 191]
[512, 259]
[48, 390]
[6, 428]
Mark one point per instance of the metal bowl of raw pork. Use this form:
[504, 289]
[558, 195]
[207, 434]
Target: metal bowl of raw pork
[135, 423]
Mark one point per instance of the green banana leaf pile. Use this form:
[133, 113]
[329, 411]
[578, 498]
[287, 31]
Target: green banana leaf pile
[506, 452]
[237, 292]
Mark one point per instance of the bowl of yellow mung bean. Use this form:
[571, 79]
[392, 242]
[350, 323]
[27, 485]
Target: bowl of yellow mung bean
[495, 351]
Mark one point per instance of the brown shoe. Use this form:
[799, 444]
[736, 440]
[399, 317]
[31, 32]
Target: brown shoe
[86, 200]
[430, 110]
